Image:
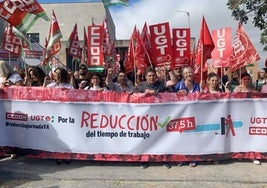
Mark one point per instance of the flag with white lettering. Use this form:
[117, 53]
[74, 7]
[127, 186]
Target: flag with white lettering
[95, 60]
[10, 41]
[74, 49]
[161, 48]
[181, 47]
[222, 52]
[244, 52]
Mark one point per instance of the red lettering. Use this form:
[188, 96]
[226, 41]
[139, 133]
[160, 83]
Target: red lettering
[120, 120]
[85, 118]
[129, 123]
[93, 119]
[103, 121]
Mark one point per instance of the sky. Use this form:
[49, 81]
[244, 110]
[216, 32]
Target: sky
[175, 12]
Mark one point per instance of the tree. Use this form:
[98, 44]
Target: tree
[243, 10]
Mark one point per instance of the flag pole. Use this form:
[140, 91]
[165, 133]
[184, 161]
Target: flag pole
[135, 71]
[201, 65]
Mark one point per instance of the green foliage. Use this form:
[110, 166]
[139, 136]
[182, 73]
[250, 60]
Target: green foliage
[244, 10]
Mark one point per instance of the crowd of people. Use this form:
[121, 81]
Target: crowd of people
[152, 82]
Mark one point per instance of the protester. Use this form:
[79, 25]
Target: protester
[233, 83]
[121, 85]
[8, 76]
[187, 85]
[83, 75]
[152, 85]
[213, 83]
[96, 83]
[245, 84]
[21, 72]
[262, 79]
[62, 79]
[36, 77]
[178, 73]
[227, 76]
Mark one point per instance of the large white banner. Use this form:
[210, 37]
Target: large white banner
[184, 128]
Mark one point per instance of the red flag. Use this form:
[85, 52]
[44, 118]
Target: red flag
[145, 36]
[85, 47]
[54, 44]
[128, 65]
[107, 42]
[139, 51]
[161, 48]
[129, 58]
[95, 56]
[22, 15]
[74, 44]
[222, 52]
[243, 50]
[11, 42]
[205, 46]
[181, 47]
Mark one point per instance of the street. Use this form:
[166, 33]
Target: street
[23, 172]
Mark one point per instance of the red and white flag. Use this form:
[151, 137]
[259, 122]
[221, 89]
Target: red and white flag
[54, 44]
[22, 14]
[222, 52]
[244, 52]
[95, 44]
[181, 47]
[161, 48]
[10, 41]
[74, 49]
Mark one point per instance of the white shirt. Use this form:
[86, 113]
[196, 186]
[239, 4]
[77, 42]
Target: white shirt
[61, 85]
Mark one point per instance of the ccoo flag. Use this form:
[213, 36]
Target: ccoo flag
[74, 44]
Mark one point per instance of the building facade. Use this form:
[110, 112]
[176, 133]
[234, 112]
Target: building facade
[68, 14]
